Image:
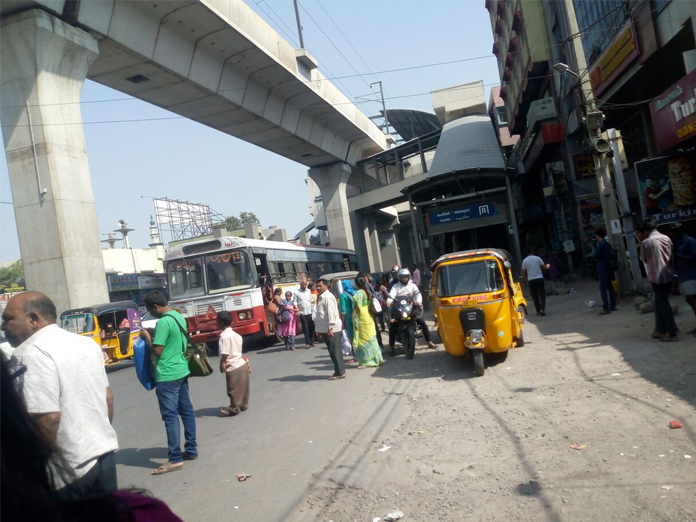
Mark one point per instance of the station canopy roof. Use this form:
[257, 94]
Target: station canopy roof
[412, 123]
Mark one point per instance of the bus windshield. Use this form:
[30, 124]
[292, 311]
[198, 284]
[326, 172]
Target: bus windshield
[186, 278]
[229, 271]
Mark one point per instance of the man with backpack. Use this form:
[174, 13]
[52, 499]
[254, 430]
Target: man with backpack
[603, 260]
[171, 376]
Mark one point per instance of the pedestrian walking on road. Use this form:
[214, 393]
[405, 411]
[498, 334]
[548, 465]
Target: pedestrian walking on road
[287, 321]
[656, 254]
[346, 308]
[602, 257]
[233, 365]
[32, 469]
[686, 267]
[367, 349]
[416, 277]
[305, 304]
[533, 275]
[327, 324]
[66, 391]
[171, 377]
[381, 294]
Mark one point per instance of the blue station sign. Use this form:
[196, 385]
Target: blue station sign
[442, 217]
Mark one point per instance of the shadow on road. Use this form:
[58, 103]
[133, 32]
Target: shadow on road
[113, 368]
[140, 457]
[208, 412]
[300, 378]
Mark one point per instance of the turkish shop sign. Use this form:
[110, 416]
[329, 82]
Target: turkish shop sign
[674, 113]
[620, 52]
[441, 217]
[668, 187]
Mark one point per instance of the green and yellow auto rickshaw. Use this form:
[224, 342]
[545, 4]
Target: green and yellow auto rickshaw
[113, 326]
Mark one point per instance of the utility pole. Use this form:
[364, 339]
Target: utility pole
[299, 25]
[600, 147]
[384, 107]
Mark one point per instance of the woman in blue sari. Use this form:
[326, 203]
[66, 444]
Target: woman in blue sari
[346, 308]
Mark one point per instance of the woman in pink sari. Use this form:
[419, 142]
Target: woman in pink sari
[286, 321]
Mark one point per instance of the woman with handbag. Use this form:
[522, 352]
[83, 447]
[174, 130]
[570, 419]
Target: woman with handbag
[367, 349]
[287, 321]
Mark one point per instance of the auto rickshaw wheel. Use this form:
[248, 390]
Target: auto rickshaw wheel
[409, 342]
[519, 343]
[479, 368]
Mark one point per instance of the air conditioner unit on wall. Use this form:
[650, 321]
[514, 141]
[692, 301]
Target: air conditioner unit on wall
[540, 110]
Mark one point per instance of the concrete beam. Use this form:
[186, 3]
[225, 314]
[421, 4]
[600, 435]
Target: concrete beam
[43, 65]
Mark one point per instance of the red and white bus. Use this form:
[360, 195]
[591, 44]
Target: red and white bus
[207, 276]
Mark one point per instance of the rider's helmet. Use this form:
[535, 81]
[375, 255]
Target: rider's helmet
[395, 270]
[404, 276]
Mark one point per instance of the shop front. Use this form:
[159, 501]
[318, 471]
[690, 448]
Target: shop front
[134, 286]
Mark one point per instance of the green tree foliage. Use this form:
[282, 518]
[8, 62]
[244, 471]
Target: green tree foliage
[235, 223]
[11, 274]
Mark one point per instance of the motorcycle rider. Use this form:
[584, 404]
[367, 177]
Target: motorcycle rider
[394, 277]
[405, 287]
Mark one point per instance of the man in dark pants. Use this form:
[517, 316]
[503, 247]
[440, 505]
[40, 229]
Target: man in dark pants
[303, 298]
[602, 257]
[532, 274]
[171, 375]
[327, 325]
[656, 254]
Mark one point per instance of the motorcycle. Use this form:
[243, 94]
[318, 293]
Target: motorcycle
[403, 320]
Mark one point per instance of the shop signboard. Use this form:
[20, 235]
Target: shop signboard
[584, 166]
[674, 113]
[668, 187]
[118, 283]
[591, 219]
[152, 281]
[441, 217]
[619, 54]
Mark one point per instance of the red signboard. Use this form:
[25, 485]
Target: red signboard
[674, 113]
[620, 52]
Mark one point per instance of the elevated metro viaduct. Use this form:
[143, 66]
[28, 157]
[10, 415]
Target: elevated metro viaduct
[213, 61]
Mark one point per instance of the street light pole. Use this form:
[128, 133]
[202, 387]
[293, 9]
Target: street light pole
[600, 147]
[299, 25]
[384, 107]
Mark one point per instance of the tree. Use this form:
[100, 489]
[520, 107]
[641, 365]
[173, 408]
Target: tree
[11, 274]
[235, 223]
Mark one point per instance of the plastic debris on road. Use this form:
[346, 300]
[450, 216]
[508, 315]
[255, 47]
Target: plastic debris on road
[376, 519]
[384, 448]
[661, 455]
[687, 456]
[591, 304]
[675, 425]
[577, 446]
[615, 374]
[396, 515]
[241, 477]
[667, 487]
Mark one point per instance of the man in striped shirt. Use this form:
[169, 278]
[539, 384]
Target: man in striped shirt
[656, 254]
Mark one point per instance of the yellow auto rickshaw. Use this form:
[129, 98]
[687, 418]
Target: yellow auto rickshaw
[113, 326]
[479, 307]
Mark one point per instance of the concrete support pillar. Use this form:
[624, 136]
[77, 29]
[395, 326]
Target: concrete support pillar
[331, 180]
[43, 65]
[374, 254]
[390, 250]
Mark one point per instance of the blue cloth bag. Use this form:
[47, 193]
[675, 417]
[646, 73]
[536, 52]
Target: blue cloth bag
[143, 364]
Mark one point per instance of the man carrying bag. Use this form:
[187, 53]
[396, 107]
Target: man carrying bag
[171, 376]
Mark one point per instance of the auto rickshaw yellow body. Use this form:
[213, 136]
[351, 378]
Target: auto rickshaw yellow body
[92, 321]
[478, 305]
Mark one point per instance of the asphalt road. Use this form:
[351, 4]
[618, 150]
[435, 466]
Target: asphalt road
[296, 424]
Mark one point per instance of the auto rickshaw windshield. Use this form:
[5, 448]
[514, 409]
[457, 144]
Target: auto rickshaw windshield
[477, 277]
[78, 323]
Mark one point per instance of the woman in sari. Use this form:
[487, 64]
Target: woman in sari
[345, 306]
[287, 329]
[365, 342]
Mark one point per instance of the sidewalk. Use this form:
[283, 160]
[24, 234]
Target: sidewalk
[498, 447]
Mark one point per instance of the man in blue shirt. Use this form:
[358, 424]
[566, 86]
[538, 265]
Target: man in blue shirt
[686, 266]
[602, 257]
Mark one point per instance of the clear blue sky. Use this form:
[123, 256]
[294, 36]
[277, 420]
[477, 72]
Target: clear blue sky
[184, 160]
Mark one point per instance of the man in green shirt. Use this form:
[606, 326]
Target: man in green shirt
[171, 376]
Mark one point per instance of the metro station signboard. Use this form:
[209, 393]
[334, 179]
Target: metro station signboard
[441, 217]
[621, 51]
[674, 113]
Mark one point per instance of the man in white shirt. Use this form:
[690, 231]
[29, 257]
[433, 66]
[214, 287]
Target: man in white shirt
[233, 365]
[66, 391]
[416, 276]
[303, 299]
[405, 287]
[327, 324]
[532, 274]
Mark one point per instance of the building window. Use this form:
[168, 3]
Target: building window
[501, 116]
[599, 21]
